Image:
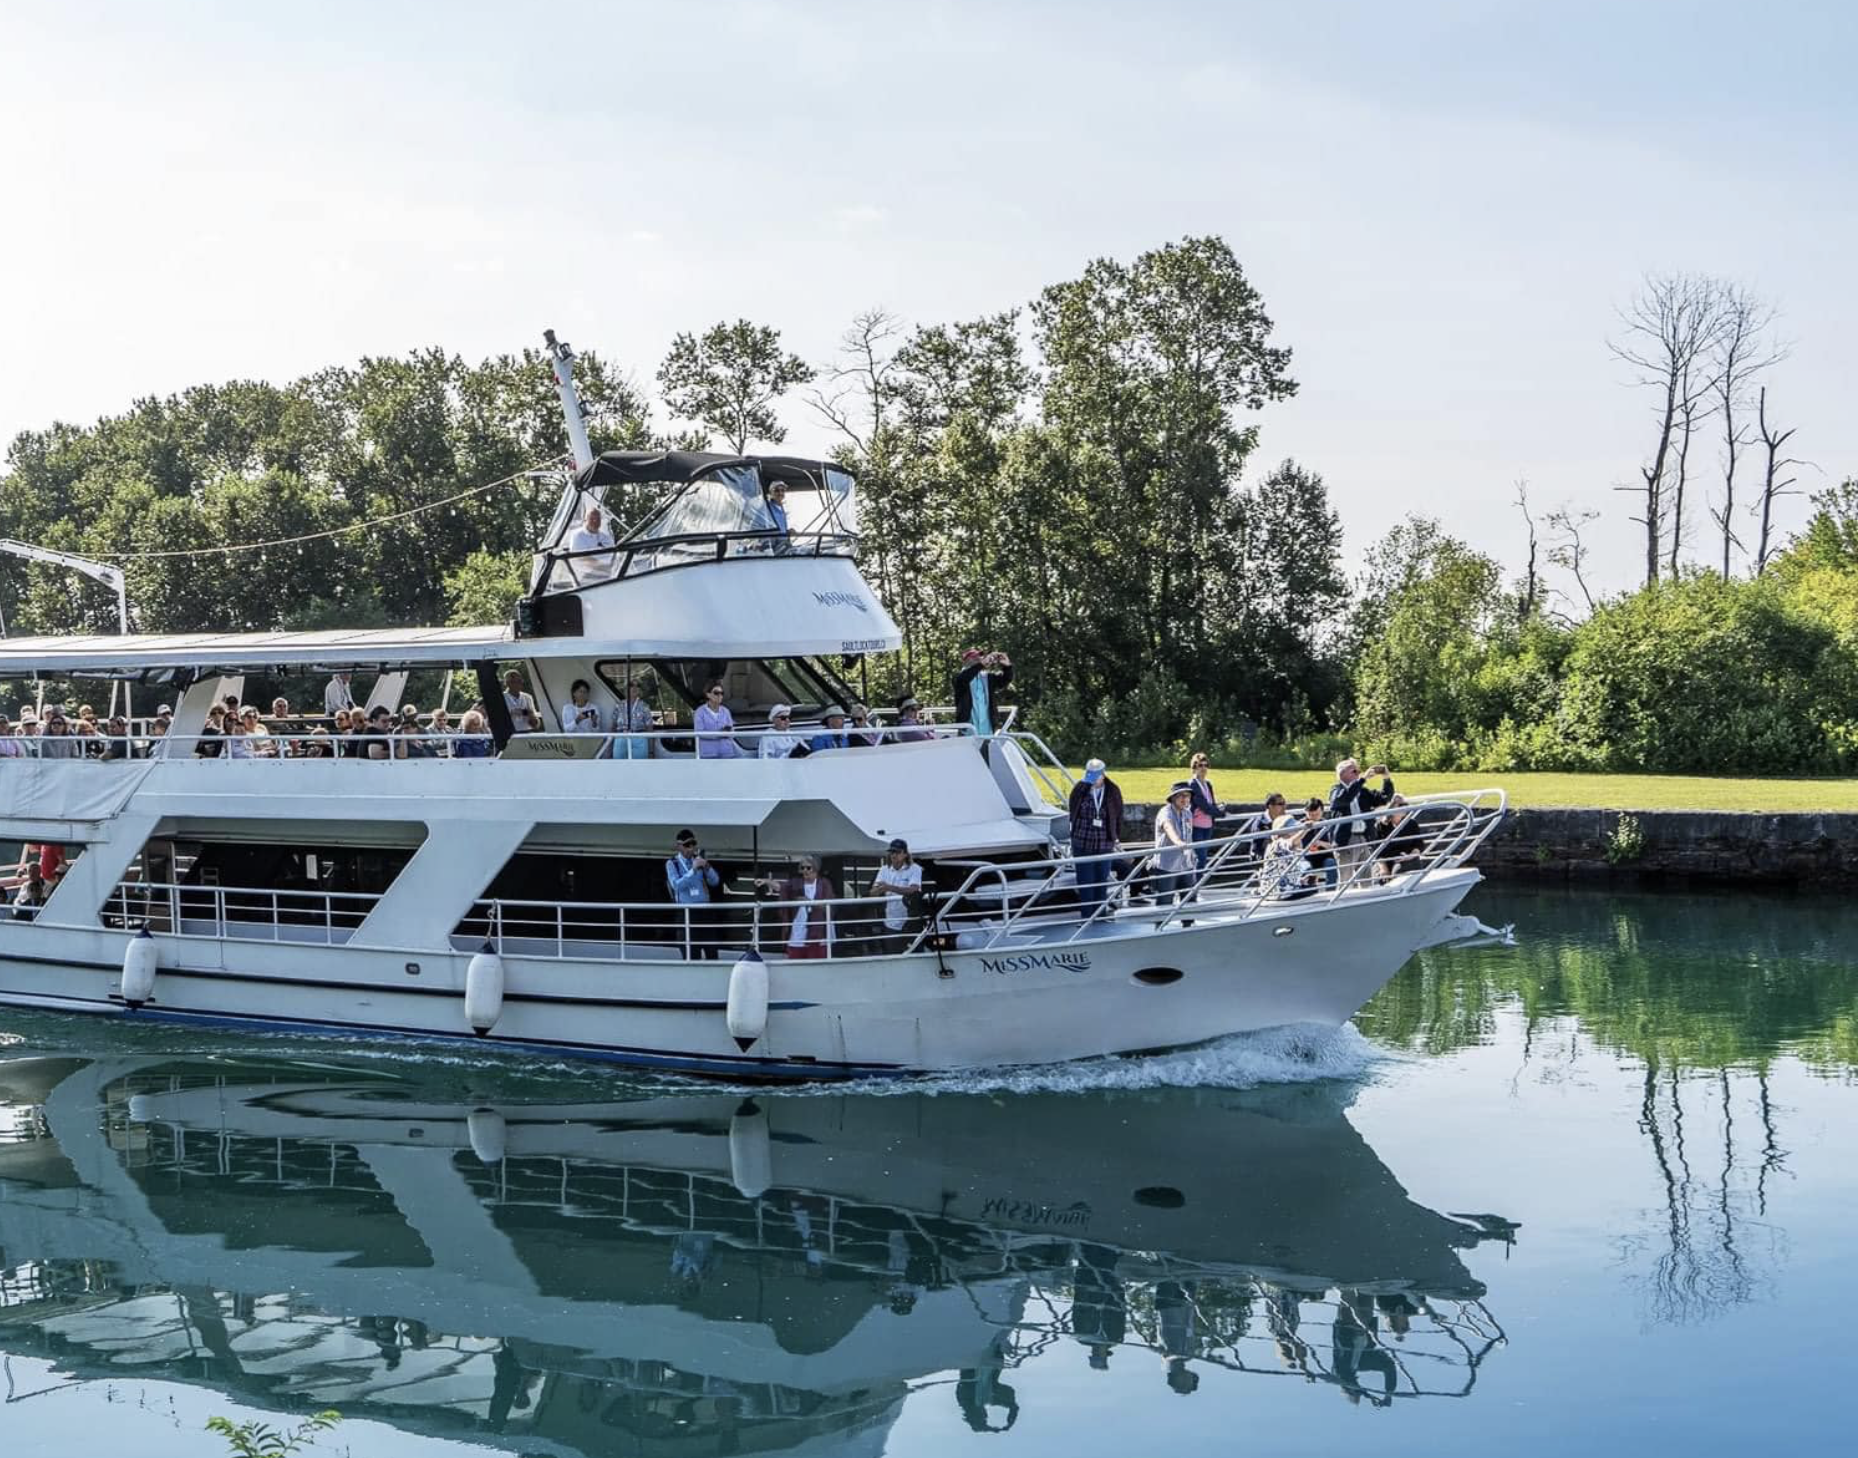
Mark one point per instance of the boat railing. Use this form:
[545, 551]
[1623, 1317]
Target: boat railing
[677, 742]
[1233, 875]
[656, 931]
[592, 566]
[247, 913]
[1015, 904]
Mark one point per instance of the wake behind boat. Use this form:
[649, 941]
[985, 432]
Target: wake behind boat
[527, 881]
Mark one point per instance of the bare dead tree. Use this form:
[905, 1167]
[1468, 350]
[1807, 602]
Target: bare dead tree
[1670, 334]
[855, 395]
[1532, 581]
[1570, 552]
[1744, 350]
[1775, 481]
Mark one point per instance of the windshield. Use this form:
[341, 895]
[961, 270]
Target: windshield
[727, 500]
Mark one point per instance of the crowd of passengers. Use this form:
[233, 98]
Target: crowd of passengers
[1287, 854]
[241, 731]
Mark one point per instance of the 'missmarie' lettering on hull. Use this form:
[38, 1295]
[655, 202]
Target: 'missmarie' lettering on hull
[1038, 961]
[841, 599]
[1074, 1216]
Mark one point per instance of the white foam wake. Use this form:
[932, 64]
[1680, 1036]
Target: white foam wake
[1302, 1053]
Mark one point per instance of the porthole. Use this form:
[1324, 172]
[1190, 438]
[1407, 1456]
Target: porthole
[1159, 976]
[1160, 1197]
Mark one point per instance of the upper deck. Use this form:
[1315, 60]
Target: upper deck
[718, 568]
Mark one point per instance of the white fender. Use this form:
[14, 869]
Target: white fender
[488, 1134]
[484, 991]
[748, 999]
[751, 1158]
[141, 960]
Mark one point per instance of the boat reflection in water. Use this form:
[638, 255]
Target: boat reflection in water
[701, 1273]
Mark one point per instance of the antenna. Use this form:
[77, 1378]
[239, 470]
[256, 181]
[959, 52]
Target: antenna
[561, 355]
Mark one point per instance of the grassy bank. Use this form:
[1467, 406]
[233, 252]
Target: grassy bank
[1612, 792]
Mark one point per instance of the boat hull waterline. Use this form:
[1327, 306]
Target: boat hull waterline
[1108, 993]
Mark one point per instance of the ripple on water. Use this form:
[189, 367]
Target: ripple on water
[1302, 1053]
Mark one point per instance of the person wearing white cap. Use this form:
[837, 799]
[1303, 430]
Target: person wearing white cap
[1096, 831]
[779, 742]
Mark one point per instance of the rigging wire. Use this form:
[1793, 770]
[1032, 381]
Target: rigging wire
[533, 472]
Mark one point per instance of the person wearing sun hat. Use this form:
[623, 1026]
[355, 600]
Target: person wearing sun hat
[1096, 831]
[1174, 843]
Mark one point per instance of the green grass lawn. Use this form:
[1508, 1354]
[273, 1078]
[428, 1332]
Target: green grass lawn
[1611, 792]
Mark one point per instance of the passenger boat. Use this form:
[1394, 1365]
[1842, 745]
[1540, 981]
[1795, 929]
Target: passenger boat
[562, 1276]
[521, 897]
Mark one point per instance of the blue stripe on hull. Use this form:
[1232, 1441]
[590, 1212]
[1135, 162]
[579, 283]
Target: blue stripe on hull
[695, 1063]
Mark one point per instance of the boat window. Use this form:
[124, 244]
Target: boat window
[729, 499]
[751, 687]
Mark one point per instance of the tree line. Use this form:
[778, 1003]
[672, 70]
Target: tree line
[1073, 481]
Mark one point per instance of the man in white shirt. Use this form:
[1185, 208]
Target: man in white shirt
[523, 715]
[590, 536]
[336, 695]
[902, 879]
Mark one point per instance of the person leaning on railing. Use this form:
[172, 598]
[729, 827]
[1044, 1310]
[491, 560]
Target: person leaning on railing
[12, 746]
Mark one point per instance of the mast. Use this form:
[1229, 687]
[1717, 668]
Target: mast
[561, 355]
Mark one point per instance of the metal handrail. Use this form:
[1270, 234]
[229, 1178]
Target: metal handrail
[131, 901]
[1010, 891]
[620, 558]
[843, 914]
[1480, 813]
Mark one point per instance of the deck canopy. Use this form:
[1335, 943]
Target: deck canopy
[156, 656]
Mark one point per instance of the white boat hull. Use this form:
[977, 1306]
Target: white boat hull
[1041, 1002]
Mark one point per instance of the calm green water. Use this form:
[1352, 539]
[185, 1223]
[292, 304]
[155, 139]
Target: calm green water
[1590, 1193]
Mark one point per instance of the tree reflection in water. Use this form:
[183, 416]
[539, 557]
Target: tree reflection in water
[1705, 993]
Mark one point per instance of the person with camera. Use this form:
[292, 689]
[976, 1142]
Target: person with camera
[1352, 795]
[977, 688]
[692, 878]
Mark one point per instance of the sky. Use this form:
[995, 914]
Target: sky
[1444, 203]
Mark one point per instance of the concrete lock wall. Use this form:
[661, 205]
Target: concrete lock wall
[1811, 850]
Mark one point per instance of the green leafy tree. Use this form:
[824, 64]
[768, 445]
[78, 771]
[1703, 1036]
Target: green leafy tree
[1706, 676]
[484, 588]
[1412, 675]
[729, 380]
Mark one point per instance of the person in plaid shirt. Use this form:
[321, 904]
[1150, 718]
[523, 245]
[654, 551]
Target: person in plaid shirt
[1096, 829]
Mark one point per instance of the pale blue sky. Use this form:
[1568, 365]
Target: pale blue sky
[1441, 202]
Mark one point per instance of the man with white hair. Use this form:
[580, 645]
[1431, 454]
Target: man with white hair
[1351, 795]
[780, 741]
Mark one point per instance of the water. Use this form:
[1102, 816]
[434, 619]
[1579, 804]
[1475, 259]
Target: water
[1590, 1193]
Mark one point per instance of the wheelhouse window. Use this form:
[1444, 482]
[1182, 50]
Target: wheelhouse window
[751, 686]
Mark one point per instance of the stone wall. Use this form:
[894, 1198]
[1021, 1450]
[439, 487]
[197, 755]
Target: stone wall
[1680, 845]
